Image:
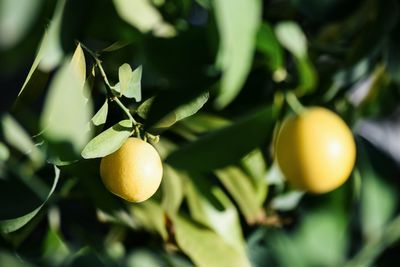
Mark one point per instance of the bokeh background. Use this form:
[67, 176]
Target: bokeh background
[217, 73]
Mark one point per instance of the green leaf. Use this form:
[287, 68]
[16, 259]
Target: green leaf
[268, 44]
[202, 122]
[153, 113]
[378, 196]
[150, 214]
[131, 82]
[142, 15]
[101, 116]
[55, 251]
[16, 17]
[254, 165]
[172, 190]
[4, 152]
[13, 260]
[192, 107]
[307, 76]
[50, 52]
[13, 224]
[292, 38]
[144, 257]
[66, 121]
[204, 247]
[108, 141]
[125, 76]
[211, 149]
[78, 65]
[240, 187]
[210, 206]
[17, 137]
[238, 22]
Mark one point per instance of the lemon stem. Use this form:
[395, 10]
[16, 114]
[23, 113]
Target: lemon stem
[108, 87]
[294, 103]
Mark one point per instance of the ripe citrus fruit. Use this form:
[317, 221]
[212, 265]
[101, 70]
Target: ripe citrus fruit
[133, 172]
[315, 150]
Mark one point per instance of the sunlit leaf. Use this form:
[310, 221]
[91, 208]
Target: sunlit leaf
[125, 75]
[164, 117]
[4, 152]
[78, 65]
[17, 137]
[50, 52]
[12, 224]
[101, 116]
[292, 38]
[16, 16]
[238, 22]
[145, 17]
[254, 165]
[66, 121]
[204, 247]
[210, 206]
[211, 149]
[242, 190]
[131, 82]
[108, 141]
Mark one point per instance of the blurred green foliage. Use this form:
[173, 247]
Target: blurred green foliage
[205, 82]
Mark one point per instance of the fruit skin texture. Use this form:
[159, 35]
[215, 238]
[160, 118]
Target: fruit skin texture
[315, 150]
[133, 172]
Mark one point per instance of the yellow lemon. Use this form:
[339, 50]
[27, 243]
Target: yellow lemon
[315, 150]
[133, 172]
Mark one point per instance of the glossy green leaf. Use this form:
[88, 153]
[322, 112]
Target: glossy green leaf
[17, 137]
[292, 38]
[211, 149]
[145, 17]
[66, 121]
[108, 141]
[238, 22]
[13, 224]
[204, 247]
[101, 116]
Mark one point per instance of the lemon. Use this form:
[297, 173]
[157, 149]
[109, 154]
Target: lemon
[133, 172]
[315, 150]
